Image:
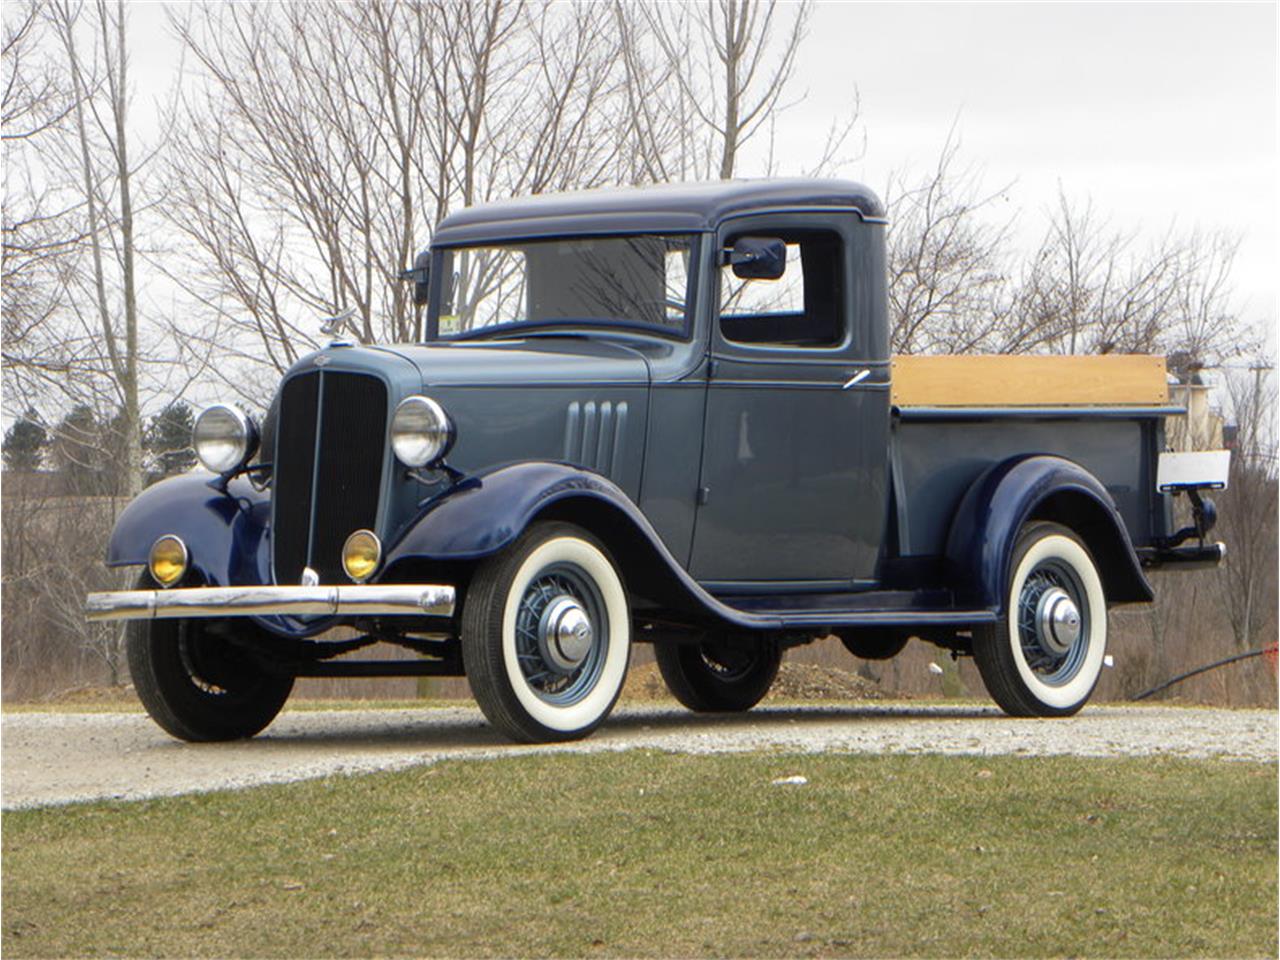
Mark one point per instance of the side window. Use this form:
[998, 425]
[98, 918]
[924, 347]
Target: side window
[802, 308]
[675, 286]
[484, 287]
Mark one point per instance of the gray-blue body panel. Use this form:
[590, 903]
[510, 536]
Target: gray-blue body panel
[937, 461]
[788, 496]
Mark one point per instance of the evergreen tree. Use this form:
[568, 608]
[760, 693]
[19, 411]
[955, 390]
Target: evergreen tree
[24, 443]
[168, 440]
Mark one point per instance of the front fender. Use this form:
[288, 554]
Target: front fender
[487, 511]
[224, 532]
[1038, 487]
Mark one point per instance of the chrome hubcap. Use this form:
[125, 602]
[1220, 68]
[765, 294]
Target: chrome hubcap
[562, 634]
[1053, 622]
[1057, 621]
[565, 634]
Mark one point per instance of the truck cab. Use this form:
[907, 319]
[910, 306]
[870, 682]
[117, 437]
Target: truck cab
[663, 415]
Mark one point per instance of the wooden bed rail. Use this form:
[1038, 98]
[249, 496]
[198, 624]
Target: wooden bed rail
[1025, 380]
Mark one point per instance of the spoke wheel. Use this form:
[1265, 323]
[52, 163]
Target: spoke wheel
[1045, 658]
[561, 635]
[546, 634]
[719, 675]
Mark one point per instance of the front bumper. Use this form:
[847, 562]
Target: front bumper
[216, 602]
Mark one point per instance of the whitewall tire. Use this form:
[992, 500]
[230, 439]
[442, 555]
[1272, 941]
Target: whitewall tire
[546, 635]
[1044, 658]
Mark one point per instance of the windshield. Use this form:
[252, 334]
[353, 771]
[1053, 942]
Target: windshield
[632, 281]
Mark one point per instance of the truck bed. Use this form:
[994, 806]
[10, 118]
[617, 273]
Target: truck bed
[956, 416]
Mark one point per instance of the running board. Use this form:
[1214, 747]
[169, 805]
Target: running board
[868, 618]
[849, 610]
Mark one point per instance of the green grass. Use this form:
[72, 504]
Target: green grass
[652, 854]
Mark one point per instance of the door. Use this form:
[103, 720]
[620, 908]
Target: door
[793, 479]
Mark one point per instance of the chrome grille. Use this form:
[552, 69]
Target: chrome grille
[327, 470]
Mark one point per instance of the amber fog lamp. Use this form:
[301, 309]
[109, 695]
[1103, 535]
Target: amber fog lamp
[360, 555]
[168, 561]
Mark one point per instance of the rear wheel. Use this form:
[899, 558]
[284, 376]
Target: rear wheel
[199, 686]
[718, 675]
[546, 633]
[1045, 657]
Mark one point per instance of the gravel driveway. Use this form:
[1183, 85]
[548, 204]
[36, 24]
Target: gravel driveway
[63, 757]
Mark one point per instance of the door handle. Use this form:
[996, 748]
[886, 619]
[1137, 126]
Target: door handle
[856, 379]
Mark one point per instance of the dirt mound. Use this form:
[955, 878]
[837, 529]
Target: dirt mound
[796, 681]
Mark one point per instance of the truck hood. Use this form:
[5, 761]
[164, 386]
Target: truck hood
[536, 360]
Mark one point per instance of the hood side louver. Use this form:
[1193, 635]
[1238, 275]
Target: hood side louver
[594, 435]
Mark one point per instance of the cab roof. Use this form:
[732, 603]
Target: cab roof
[675, 208]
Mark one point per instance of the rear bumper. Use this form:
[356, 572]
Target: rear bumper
[216, 602]
[1197, 557]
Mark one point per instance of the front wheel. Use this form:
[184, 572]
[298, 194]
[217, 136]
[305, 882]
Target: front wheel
[718, 676]
[1045, 657]
[198, 685]
[546, 633]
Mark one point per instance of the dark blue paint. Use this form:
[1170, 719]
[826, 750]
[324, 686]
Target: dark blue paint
[225, 533]
[997, 504]
[486, 512]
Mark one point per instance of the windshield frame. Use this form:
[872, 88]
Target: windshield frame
[577, 326]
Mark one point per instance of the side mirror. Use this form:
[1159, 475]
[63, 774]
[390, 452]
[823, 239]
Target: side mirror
[419, 276]
[758, 258]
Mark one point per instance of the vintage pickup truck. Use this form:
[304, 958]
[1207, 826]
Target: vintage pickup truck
[666, 416]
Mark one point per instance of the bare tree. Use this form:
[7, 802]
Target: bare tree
[332, 136]
[1090, 288]
[83, 344]
[959, 284]
[1248, 509]
[949, 290]
[41, 227]
[705, 80]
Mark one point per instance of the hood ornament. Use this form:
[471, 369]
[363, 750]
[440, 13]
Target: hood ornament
[332, 326]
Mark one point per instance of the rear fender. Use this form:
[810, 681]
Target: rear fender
[1011, 493]
[225, 533]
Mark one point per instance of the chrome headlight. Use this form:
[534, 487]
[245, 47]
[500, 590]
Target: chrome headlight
[421, 432]
[224, 438]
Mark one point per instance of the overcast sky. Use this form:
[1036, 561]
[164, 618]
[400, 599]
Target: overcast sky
[1155, 110]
